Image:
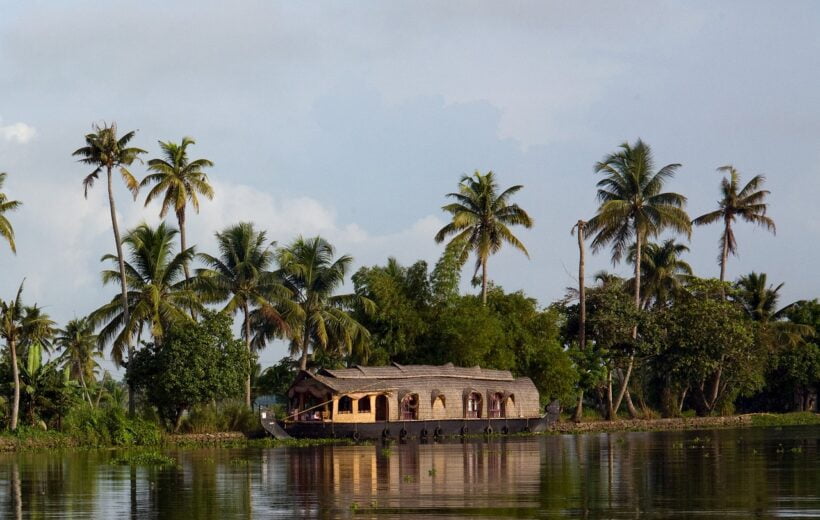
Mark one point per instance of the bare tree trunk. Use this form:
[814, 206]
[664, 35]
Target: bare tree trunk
[305, 346]
[123, 285]
[484, 281]
[248, 349]
[15, 370]
[630, 406]
[713, 395]
[682, 399]
[582, 310]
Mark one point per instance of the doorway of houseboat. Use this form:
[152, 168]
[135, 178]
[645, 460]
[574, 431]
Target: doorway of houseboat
[381, 408]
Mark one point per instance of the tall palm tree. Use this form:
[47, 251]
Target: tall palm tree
[241, 275]
[178, 181]
[580, 228]
[747, 203]
[663, 273]
[481, 217]
[80, 351]
[6, 205]
[310, 270]
[158, 295]
[105, 151]
[20, 327]
[633, 209]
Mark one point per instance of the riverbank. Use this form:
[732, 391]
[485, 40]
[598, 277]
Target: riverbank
[690, 423]
[30, 439]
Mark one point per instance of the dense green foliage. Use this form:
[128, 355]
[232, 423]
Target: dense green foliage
[415, 323]
[196, 363]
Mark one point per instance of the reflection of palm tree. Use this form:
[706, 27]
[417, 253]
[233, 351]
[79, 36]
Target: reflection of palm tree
[747, 203]
[480, 221]
[662, 271]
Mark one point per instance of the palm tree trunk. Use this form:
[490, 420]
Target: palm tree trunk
[625, 382]
[15, 370]
[121, 262]
[183, 242]
[610, 412]
[484, 281]
[724, 257]
[305, 345]
[85, 389]
[248, 349]
[582, 311]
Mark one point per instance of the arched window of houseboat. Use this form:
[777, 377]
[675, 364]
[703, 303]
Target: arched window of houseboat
[472, 406]
[364, 404]
[345, 404]
[410, 407]
[496, 408]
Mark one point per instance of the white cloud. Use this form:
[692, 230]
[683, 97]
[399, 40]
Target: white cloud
[17, 132]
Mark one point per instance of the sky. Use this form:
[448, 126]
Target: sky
[354, 119]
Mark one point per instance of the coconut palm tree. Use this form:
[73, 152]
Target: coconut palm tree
[80, 351]
[158, 295]
[634, 208]
[748, 203]
[20, 327]
[663, 273]
[481, 220]
[178, 181]
[580, 227]
[241, 276]
[6, 205]
[311, 271]
[105, 151]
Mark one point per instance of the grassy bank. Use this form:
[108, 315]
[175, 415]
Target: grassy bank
[34, 439]
[691, 423]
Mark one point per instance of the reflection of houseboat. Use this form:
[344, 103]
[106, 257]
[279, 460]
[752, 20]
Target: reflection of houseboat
[411, 401]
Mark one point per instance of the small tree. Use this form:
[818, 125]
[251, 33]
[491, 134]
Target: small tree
[196, 364]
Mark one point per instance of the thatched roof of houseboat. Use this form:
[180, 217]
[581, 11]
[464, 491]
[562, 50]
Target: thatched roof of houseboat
[421, 378]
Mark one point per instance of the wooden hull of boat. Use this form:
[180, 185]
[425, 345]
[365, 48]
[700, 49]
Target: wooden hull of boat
[413, 429]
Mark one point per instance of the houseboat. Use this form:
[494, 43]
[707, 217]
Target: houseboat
[403, 401]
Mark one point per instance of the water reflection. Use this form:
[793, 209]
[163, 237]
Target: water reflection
[741, 473]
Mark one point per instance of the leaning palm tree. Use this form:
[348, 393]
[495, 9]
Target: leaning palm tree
[105, 151]
[21, 327]
[241, 276]
[634, 208]
[747, 203]
[311, 271]
[178, 181]
[80, 351]
[481, 217]
[663, 273]
[158, 295]
[6, 205]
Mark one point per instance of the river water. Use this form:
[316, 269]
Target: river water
[740, 473]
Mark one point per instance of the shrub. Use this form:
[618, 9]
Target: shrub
[109, 427]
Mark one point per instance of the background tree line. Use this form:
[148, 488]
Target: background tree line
[663, 340]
